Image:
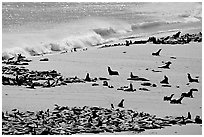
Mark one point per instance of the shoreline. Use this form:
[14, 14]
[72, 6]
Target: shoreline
[121, 40]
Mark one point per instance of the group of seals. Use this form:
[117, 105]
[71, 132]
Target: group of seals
[177, 39]
[27, 78]
[174, 39]
[17, 60]
[64, 120]
[178, 101]
[13, 75]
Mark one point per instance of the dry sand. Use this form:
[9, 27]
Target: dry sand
[137, 59]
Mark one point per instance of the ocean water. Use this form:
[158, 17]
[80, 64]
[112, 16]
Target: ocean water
[35, 28]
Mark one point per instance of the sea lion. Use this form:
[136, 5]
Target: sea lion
[144, 89]
[132, 76]
[87, 78]
[112, 106]
[176, 35]
[111, 72]
[121, 103]
[189, 115]
[166, 98]
[130, 88]
[190, 79]
[44, 59]
[198, 120]
[177, 101]
[165, 80]
[188, 94]
[157, 53]
[166, 66]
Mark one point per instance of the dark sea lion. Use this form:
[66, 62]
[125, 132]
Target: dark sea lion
[165, 80]
[121, 103]
[101, 78]
[190, 79]
[177, 101]
[188, 94]
[132, 76]
[176, 35]
[166, 98]
[105, 83]
[166, 66]
[44, 59]
[111, 72]
[157, 53]
[130, 88]
[9, 59]
[198, 120]
[87, 78]
[112, 106]
[189, 115]
[144, 89]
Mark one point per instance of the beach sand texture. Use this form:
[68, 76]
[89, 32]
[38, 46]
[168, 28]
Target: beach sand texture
[136, 59]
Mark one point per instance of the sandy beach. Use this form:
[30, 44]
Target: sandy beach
[125, 68]
[137, 59]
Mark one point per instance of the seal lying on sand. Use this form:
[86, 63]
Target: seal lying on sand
[137, 78]
[166, 98]
[9, 59]
[198, 120]
[44, 59]
[130, 88]
[165, 81]
[132, 76]
[121, 103]
[189, 94]
[176, 101]
[157, 53]
[190, 79]
[111, 72]
[166, 66]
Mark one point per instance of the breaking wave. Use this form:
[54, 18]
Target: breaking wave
[92, 38]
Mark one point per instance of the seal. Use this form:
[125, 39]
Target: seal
[190, 79]
[166, 66]
[121, 103]
[176, 101]
[166, 98]
[87, 78]
[165, 80]
[188, 94]
[176, 35]
[130, 88]
[157, 53]
[132, 76]
[111, 72]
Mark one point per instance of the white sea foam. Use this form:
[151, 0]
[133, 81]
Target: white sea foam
[63, 37]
